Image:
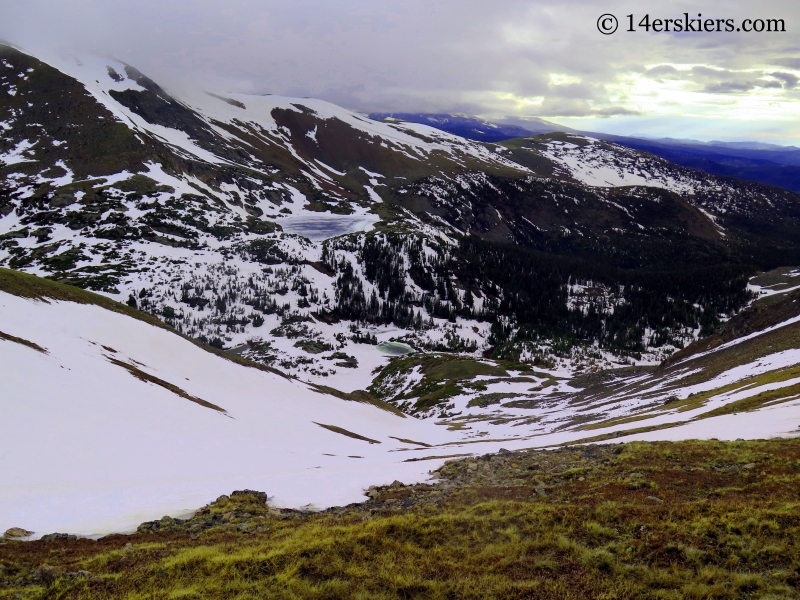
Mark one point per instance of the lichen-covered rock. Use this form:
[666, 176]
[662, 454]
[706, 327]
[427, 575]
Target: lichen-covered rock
[260, 495]
[17, 532]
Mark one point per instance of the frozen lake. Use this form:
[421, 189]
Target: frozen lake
[322, 226]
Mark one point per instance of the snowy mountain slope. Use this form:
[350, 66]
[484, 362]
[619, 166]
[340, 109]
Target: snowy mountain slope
[761, 163]
[604, 164]
[247, 131]
[243, 158]
[109, 420]
[766, 164]
[751, 367]
[104, 213]
[301, 234]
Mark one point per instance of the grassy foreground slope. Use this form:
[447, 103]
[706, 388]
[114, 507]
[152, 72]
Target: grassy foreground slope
[660, 520]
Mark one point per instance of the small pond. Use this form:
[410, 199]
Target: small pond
[395, 349]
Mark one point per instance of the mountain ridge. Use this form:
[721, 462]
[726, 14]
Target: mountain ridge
[219, 193]
[220, 186]
[768, 164]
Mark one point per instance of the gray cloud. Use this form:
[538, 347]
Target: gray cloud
[729, 87]
[662, 72]
[791, 63]
[615, 111]
[724, 81]
[572, 107]
[789, 80]
[417, 55]
[564, 107]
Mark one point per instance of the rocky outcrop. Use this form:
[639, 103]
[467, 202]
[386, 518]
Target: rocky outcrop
[17, 532]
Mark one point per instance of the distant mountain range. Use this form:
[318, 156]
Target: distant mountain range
[473, 128]
[769, 164]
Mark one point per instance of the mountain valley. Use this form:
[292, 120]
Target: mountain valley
[212, 277]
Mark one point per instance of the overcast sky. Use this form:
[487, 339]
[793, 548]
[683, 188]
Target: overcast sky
[493, 58]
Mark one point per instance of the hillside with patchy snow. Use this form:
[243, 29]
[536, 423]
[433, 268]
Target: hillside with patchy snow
[540, 291]
[111, 419]
[304, 235]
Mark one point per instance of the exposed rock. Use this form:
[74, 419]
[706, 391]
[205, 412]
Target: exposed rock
[17, 532]
[78, 574]
[47, 574]
[260, 495]
[52, 537]
[536, 471]
[591, 451]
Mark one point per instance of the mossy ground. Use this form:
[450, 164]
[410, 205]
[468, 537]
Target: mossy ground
[642, 520]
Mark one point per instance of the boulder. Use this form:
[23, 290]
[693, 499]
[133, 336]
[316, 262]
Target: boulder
[260, 495]
[52, 537]
[78, 574]
[17, 532]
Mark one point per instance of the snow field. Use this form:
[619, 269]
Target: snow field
[88, 448]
